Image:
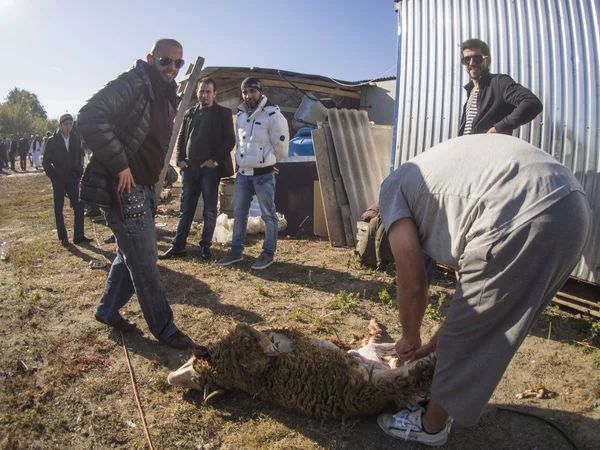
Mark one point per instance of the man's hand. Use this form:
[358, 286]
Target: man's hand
[126, 181]
[276, 170]
[428, 348]
[492, 130]
[407, 348]
[209, 163]
[182, 164]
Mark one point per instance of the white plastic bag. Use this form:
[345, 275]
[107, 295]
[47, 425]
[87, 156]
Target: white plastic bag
[255, 225]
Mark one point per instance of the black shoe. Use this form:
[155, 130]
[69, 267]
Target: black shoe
[178, 340]
[64, 242]
[83, 240]
[122, 325]
[205, 252]
[172, 252]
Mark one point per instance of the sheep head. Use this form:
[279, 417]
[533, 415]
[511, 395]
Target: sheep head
[244, 351]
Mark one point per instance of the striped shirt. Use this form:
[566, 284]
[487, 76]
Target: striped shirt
[471, 111]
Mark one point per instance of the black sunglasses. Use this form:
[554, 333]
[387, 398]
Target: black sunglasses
[477, 59]
[165, 61]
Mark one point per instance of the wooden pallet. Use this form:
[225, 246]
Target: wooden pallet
[580, 304]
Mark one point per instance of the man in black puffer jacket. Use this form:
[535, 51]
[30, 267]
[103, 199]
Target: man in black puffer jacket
[127, 126]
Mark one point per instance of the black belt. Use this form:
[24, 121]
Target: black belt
[260, 170]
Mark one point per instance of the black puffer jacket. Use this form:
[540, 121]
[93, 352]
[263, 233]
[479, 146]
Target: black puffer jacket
[116, 120]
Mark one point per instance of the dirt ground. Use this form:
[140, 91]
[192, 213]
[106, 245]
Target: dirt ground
[64, 381]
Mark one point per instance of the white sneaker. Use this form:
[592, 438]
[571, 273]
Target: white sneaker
[407, 425]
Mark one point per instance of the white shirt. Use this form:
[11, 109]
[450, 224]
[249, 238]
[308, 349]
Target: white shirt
[66, 141]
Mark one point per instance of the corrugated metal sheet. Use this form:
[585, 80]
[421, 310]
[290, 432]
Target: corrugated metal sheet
[550, 46]
[362, 152]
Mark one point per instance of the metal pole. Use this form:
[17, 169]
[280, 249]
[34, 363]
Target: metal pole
[396, 101]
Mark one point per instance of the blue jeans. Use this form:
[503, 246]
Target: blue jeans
[134, 269]
[263, 186]
[71, 188]
[196, 181]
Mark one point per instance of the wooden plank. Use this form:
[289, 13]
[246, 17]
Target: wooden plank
[311, 88]
[595, 305]
[187, 96]
[320, 225]
[333, 215]
[576, 307]
[347, 221]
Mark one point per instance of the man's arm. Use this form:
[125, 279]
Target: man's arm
[411, 280]
[182, 138]
[227, 135]
[527, 105]
[279, 135]
[49, 159]
[98, 117]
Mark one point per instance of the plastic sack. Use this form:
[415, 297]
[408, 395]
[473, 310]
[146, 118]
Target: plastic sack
[255, 225]
[222, 235]
[282, 222]
[222, 221]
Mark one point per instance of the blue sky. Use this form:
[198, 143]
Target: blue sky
[66, 50]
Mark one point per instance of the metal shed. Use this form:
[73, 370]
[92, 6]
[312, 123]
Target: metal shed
[550, 46]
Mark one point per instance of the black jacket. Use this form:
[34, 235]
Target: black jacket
[222, 138]
[13, 146]
[60, 164]
[116, 120]
[501, 103]
[23, 145]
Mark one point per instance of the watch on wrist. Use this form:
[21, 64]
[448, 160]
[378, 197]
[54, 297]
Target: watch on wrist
[215, 163]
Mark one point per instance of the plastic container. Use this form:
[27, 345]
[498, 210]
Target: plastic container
[302, 144]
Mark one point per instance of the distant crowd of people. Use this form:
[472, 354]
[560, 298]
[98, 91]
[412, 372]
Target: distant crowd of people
[508, 218]
[27, 149]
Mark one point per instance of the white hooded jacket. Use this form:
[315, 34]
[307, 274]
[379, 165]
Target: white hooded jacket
[262, 137]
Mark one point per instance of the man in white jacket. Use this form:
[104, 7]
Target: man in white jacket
[262, 140]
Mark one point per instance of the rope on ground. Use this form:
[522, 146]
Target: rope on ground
[549, 422]
[135, 394]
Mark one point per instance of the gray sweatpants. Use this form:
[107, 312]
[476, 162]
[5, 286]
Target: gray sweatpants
[503, 289]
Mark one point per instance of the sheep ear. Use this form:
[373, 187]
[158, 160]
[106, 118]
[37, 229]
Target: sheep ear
[268, 348]
[265, 343]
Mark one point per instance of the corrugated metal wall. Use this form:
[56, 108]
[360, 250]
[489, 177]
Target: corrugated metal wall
[550, 46]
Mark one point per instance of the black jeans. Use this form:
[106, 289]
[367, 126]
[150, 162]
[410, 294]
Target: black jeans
[71, 188]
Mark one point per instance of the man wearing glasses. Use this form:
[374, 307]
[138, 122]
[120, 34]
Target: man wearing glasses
[127, 126]
[495, 102]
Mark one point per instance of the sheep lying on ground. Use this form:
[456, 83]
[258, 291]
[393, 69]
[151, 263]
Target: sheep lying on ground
[315, 378]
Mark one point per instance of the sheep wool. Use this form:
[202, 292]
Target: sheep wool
[287, 368]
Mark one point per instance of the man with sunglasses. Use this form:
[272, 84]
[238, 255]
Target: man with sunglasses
[495, 102]
[127, 126]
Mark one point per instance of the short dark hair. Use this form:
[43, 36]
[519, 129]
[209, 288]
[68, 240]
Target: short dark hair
[165, 41]
[207, 80]
[475, 44]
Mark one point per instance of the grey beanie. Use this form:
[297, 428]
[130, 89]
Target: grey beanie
[252, 82]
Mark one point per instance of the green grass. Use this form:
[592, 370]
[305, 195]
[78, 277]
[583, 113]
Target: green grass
[345, 302]
[434, 312]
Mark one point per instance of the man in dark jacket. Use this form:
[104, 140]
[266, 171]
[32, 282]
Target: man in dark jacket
[204, 154]
[13, 152]
[495, 102]
[127, 126]
[63, 163]
[23, 149]
[4, 144]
